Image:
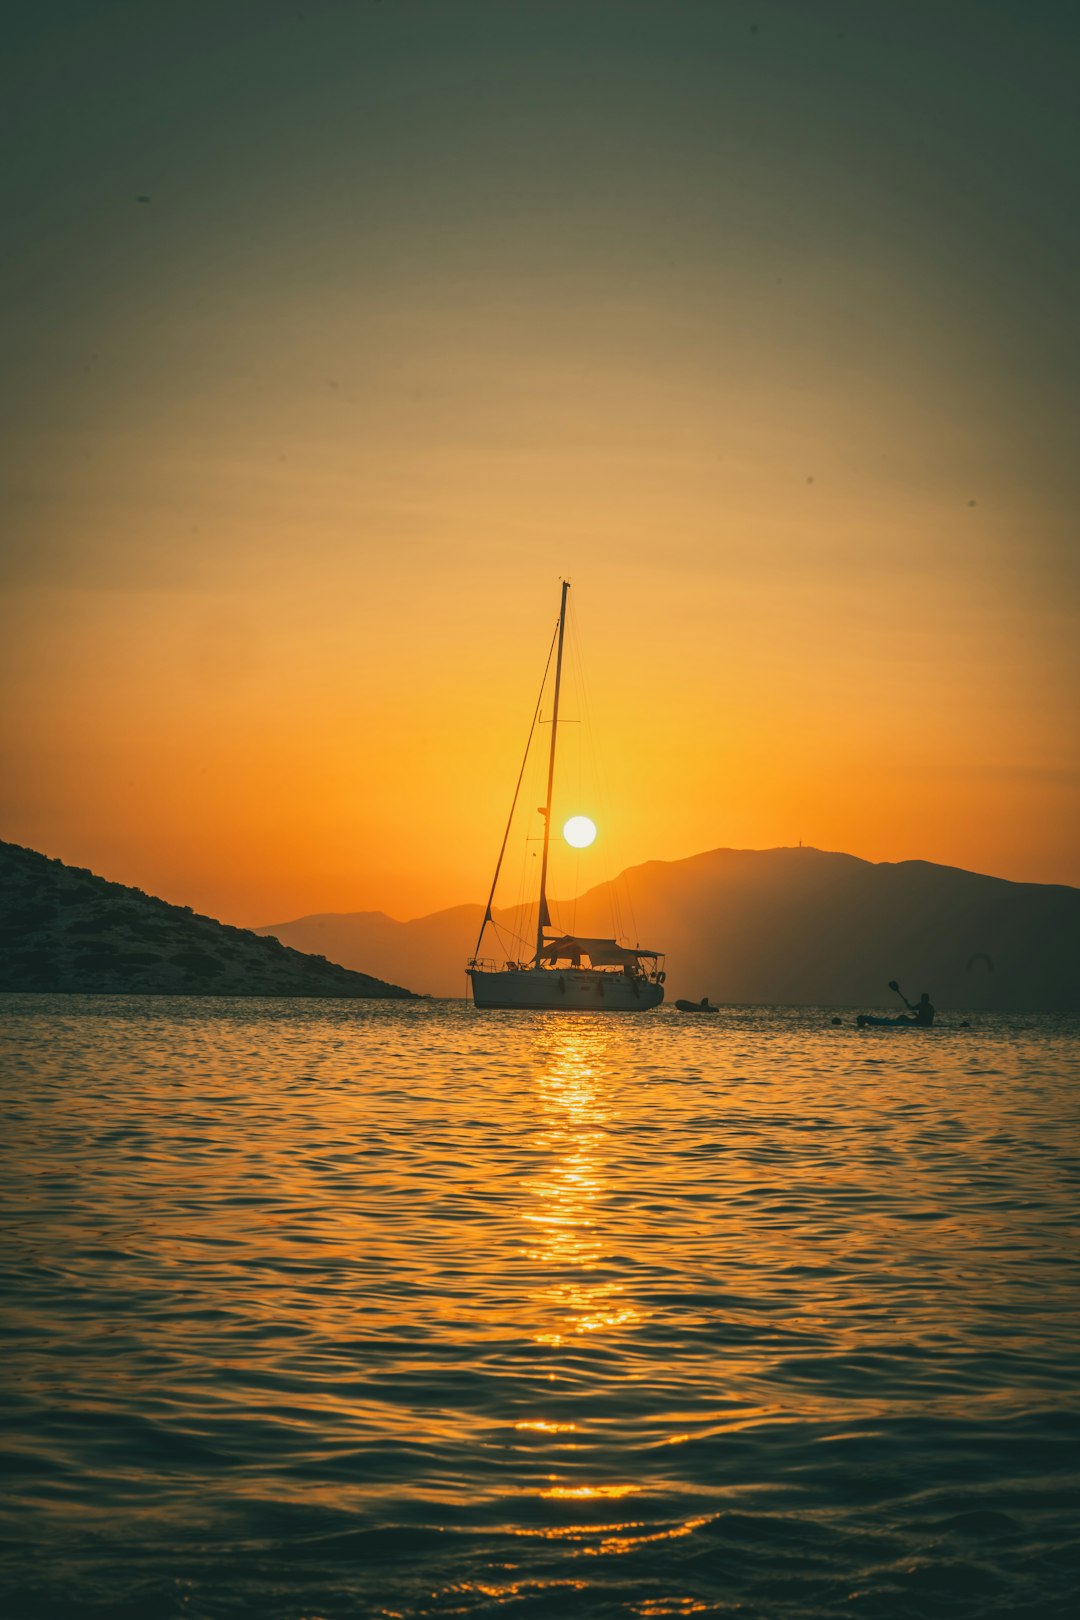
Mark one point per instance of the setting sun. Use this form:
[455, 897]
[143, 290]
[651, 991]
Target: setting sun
[579, 832]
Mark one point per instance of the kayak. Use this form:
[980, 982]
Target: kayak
[868, 1021]
[696, 1006]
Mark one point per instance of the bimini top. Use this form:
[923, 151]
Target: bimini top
[601, 952]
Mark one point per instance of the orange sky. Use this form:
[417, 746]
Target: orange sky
[423, 315]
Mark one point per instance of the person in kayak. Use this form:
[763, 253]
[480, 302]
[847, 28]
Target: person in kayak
[924, 1012]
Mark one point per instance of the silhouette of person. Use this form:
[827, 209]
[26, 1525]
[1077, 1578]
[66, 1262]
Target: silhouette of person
[924, 1012]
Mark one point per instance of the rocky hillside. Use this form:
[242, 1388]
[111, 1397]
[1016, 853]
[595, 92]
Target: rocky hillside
[63, 929]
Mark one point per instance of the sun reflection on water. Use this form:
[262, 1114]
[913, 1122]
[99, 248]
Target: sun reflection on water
[568, 1242]
[578, 1294]
[585, 1493]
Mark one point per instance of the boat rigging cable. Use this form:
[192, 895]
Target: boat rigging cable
[510, 819]
[543, 918]
[618, 889]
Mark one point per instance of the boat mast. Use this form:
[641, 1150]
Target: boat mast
[543, 920]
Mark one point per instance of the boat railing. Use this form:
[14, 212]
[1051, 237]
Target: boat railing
[653, 975]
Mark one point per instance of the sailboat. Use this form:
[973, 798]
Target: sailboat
[567, 972]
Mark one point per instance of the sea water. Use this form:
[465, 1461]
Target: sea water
[328, 1309]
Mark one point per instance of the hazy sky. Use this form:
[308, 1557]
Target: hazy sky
[334, 334]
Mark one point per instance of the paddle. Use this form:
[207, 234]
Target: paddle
[894, 986]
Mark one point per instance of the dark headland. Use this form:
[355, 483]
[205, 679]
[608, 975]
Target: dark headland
[64, 929]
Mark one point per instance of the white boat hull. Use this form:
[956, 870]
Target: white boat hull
[563, 990]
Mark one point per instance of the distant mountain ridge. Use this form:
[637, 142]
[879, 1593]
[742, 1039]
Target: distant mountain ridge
[64, 929]
[783, 926]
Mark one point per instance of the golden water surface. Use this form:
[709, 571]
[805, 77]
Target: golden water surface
[335, 1309]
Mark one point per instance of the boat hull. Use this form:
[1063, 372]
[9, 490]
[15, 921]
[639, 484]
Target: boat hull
[563, 990]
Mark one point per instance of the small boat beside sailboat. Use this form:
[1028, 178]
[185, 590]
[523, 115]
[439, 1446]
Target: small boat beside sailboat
[566, 971]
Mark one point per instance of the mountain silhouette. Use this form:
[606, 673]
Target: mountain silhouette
[781, 926]
[64, 929]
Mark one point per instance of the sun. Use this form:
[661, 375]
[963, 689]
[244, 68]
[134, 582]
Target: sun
[579, 832]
